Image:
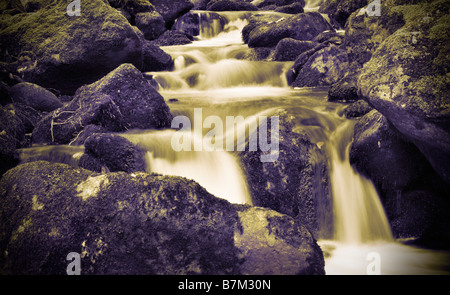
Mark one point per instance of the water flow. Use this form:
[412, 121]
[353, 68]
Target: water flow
[359, 214]
[217, 171]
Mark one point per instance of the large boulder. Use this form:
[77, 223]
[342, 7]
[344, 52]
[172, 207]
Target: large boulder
[406, 80]
[69, 51]
[121, 100]
[303, 26]
[156, 59]
[296, 182]
[140, 223]
[151, 24]
[289, 49]
[34, 96]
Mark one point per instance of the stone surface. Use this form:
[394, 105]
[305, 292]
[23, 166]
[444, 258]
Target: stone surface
[34, 96]
[140, 224]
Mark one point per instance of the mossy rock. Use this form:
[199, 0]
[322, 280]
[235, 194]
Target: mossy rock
[140, 223]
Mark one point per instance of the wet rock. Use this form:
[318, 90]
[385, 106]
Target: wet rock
[296, 183]
[34, 96]
[140, 223]
[86, 132]
[29, 116]
[65, 56]
[121, 100]
[151, 24]
[303, 26]
[323, 68]
[115, 152]
[293, 8]
[279, 3]
[156, 59]
[381, 153]
[289, 49]
[169, 38]
[357, 109]
[344, 90]
[406, 81]
[230, 5]
[171, 10]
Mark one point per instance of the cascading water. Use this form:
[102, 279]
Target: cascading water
[215, 74]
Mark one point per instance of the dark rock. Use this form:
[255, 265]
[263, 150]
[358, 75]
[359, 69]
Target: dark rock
[293, 8]
[29, 116]
[122, 100]
[323, 68]
[329, 36]
[65, 56]
[140, 224]
[151, 24]
[132, 7]
[156, 59]
[357, 109]
[303, 26]
[169, 38]
[296, 183]
[171, 10]
[344, 90]
[4, 94]
[85, 133]
[381, 153]
[115, 152]
[230, 5]
[34, 96]
[278, 3]
[406, 80]
[289, 49]
[340, 10]
[12, 135]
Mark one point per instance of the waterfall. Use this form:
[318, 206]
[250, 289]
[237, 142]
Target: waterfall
[359, 214]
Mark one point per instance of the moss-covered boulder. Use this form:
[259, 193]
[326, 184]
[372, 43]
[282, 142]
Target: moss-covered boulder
[407, 80]
[289, 49]
[303, 26]
[69, 51]
[340, 10]
[140, 224]
[151, 24]
[121, 100]
[171, 10]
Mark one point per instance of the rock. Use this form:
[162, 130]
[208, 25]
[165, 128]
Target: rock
[293, 8]
[151, 24]
[344, 90]
[323, 68]
[121, 100]
[279, 3]
[65, 56]
[340, 10]
[230, 5]
[363, 34]
[406, 81]
[34, 96]
[170, 38]
[156, 59]
[12, 135]
[85, 133]
[303, 26]
[296, 183]
[132, 7]
[171, 10]
[381, 153]
[29, 116]
[115, 152]
[357, 109]
[140, 224]
[289, 49]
